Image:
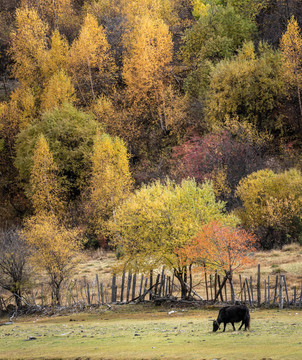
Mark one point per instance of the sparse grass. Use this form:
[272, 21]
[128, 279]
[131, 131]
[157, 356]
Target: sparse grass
[134, 332]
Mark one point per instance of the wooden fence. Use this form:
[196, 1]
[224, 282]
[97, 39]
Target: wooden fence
[271, 291]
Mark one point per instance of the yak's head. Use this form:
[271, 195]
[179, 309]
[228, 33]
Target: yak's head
[215, 325]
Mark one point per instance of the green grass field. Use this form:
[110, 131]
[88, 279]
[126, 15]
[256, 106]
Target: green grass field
[137, 332]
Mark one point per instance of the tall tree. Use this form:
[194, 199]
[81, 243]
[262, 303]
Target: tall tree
[110, 182]
[148, 55]
[45, 192]
[55, 249]
[28, 45]
[90, 63]
[291, 47]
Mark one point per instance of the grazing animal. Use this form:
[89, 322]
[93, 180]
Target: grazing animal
[232, 314]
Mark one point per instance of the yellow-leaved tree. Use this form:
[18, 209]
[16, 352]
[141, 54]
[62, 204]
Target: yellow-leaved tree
[54, 246]
[45, 192]
[28, 46]
[57, 13]
[90, 63]
[273, 202]
[56, 57]
[291, 47]
[57, 91]
[111, 181]
[145, 71]
[55, 249]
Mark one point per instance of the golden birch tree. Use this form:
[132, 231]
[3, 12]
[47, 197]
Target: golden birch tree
[58, 90]
[27, 47]
[145, 71]
[111, 180]
[90, 63]
[45, 191]
[55, 249]
[291, 47]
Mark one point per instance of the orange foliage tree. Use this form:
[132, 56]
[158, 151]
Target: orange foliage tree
[221, 247]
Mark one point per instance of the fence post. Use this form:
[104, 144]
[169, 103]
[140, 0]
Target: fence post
[156, 284]
[265, 298]
[285, 288]
[123, 286]
[219, 285]
[215, 284]
[300, 300]
[280, 293]
[276, 289]
[145, 288]
[258, 287]
[248, 291]
[98, 288]
[268, 292]
[102, 294]
[133, 286]
[172, 285]
[251, 289]
[240, 282]
[206, 283]
[141, 286]
[113, 289]
[129, 285]
[151, 284]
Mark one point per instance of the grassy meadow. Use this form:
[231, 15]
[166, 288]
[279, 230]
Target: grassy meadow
[148, 332]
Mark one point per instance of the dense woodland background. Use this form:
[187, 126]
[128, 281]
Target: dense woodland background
[105, 101]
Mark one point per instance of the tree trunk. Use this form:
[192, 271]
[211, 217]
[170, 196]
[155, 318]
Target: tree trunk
[181, 275]
[18, 301]
[230, 277]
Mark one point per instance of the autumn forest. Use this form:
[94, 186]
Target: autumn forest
[169, 131]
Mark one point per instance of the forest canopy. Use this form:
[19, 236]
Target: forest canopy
[104, 102]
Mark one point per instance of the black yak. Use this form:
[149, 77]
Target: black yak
[232, 314]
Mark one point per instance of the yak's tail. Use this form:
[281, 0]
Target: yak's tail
[248, 321]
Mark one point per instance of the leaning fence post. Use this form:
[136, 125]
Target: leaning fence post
[286, 292]
[219, 285]
[206, 283]
[156, 284]
[300, 300]
[268, 292]
[248, 291]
